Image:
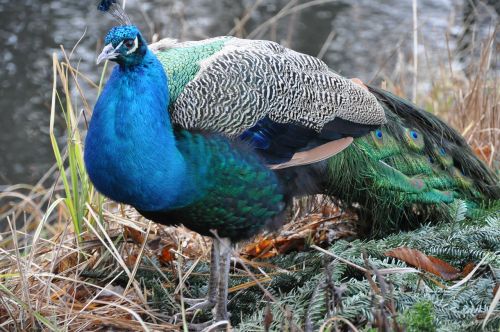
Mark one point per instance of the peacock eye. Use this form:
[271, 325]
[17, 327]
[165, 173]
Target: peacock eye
[128, 43]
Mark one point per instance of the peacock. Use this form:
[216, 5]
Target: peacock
[221, 134]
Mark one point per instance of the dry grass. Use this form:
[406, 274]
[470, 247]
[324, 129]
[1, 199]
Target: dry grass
[468, 99]
[58, 228]
[41, 287]
[475, 101]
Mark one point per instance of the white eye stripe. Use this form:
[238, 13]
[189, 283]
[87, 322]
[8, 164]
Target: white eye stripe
[118, 46]
[133, 49]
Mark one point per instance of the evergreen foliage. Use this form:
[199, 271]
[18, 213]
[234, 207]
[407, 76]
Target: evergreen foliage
[310, 287]
[421, 301]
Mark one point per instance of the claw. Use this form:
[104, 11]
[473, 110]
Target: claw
[204, 304]
[192, 302]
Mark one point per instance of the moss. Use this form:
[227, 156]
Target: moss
[419, 318]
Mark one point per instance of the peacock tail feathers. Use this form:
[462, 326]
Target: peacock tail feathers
[410, 169]
[442, 144]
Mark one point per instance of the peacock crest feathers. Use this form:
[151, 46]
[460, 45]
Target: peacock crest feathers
[114, 9]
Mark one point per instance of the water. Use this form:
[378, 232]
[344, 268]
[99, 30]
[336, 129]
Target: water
[369, 38]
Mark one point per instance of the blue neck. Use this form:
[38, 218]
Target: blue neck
[130, 149]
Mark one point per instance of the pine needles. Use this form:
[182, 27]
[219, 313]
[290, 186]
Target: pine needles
[417, 297]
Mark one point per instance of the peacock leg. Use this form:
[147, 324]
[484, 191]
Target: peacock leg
[210, 300]
[225, 260]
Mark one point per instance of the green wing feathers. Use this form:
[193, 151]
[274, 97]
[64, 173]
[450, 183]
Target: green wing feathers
[237, 194]
[410, 169]
[181, 62]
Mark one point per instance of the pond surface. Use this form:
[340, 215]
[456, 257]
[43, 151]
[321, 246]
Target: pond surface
[364, 38]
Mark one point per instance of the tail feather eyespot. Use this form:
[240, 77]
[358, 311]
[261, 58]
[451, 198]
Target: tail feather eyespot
[414, 139]
[443, 157]
[379, 137]
[462, 180]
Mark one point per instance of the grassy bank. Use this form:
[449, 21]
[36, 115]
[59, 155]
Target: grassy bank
[72, 260]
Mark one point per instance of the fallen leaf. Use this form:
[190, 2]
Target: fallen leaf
[166, 256]
[67, 262]
[429, 264]
[131, 260]
[468, 268]
[77, 294]
[314, 228]
[483, 152]
[291, 245]
[259, 248]
[133, 234]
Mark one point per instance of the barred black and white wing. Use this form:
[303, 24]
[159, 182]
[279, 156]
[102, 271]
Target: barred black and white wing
[280, 100]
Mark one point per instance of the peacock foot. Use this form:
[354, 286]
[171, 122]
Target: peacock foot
[209, 326]
[190, 301]
[220, 315]
[217, 288]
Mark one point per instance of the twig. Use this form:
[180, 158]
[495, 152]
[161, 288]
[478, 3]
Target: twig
[339, 258]
[492, 307]
[326, 44]
[342, 319]
[238, 28]
[382, 290]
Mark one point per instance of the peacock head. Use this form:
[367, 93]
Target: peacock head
[124, 45]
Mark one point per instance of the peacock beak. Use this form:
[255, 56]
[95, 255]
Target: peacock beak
[108, 53]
